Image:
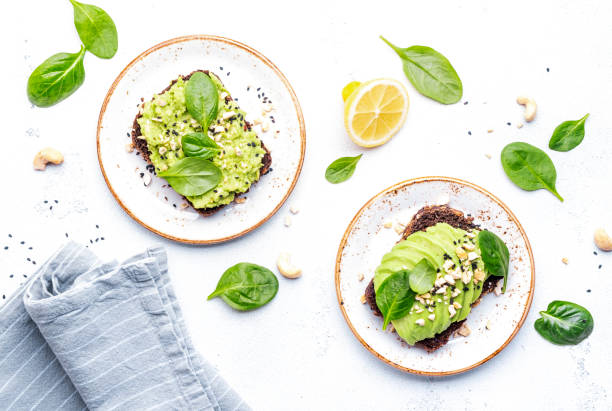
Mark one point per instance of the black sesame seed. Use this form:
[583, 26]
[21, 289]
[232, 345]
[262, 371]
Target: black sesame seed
[22, 242]
[547, 70]
[66, 235]
[258, 88]
[589, 290]
[469, 133]
[509, 123]
[6, 247]
[594, 252]
[465, 103]
[599, 266]
[101, 238]
[221, 68]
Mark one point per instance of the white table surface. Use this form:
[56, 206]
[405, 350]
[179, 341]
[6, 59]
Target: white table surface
[297, 352]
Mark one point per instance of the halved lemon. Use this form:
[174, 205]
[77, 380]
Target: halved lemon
[375, 111]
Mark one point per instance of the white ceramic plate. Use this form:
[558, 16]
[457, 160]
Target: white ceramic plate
[158, 207]
[366, 240]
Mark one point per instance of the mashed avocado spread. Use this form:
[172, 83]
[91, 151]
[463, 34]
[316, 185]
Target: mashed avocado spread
[165, 120]
[460, 275]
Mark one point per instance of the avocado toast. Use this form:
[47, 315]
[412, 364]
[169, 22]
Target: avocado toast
[447, 239]
[162, 122]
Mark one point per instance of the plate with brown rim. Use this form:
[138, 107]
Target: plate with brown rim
[493, 322]
[249, 76]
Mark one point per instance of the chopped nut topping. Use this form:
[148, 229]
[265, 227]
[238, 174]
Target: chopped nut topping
[452, 310]
[472, 256]
[449, 279]
[162, 150]
[287, 221]
[466, 276]
[240, 200]
[441, 290]
[294, 209]
[228, 114]
[479, 275]
[464, 330]
[461, 253]
[457, 305]
[469, 246]
[362, 299]
[431, 317]
[129, 147]
[420, 322]
[388, 224]
[360, 277]
[488, 324]
[565, 261]
[448, 264]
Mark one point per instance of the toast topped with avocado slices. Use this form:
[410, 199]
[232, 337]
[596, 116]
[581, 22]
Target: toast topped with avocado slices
[448, 242]
[233, 156]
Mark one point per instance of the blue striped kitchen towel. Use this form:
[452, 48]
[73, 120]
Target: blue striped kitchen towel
[82, 334]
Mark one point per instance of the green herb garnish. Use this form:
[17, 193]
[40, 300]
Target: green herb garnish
[495, 255]
[397, 293]
[564, 323]
[199, 145]
[529, 167]
[341, 169]
[246, 286]
[56, 78]
[202, 99]
[63, 73]
[96, 29]
[430, 73]
[192, 176]
[568, 135]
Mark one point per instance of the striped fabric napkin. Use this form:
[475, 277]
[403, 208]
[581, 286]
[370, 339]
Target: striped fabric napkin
[81, 334]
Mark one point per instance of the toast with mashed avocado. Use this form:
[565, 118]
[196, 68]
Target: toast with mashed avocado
[448, 240]
[240, 156]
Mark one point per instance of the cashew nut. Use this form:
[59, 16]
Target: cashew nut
[530, 107]
[286, 267]
[602, 240]
[47, 155]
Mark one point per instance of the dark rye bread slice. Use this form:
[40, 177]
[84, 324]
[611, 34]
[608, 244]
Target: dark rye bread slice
[426, 217]
[141, 145]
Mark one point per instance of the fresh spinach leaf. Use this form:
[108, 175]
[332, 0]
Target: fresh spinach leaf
[422, 277]
[192, 176]
[495, 255]
[564, 323]
[394, 297]
[568, 135]
[529, 167]
[199, 145]
[96, 29]
[430, 73]
[202, 99]
[56, 78]
[246, 286]
[341, 169]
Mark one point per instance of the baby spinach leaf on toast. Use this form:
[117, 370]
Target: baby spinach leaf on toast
[422, 277]
[202, 99]
[199, 145]
[495, 255]
[192, 176]
[394, 297]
